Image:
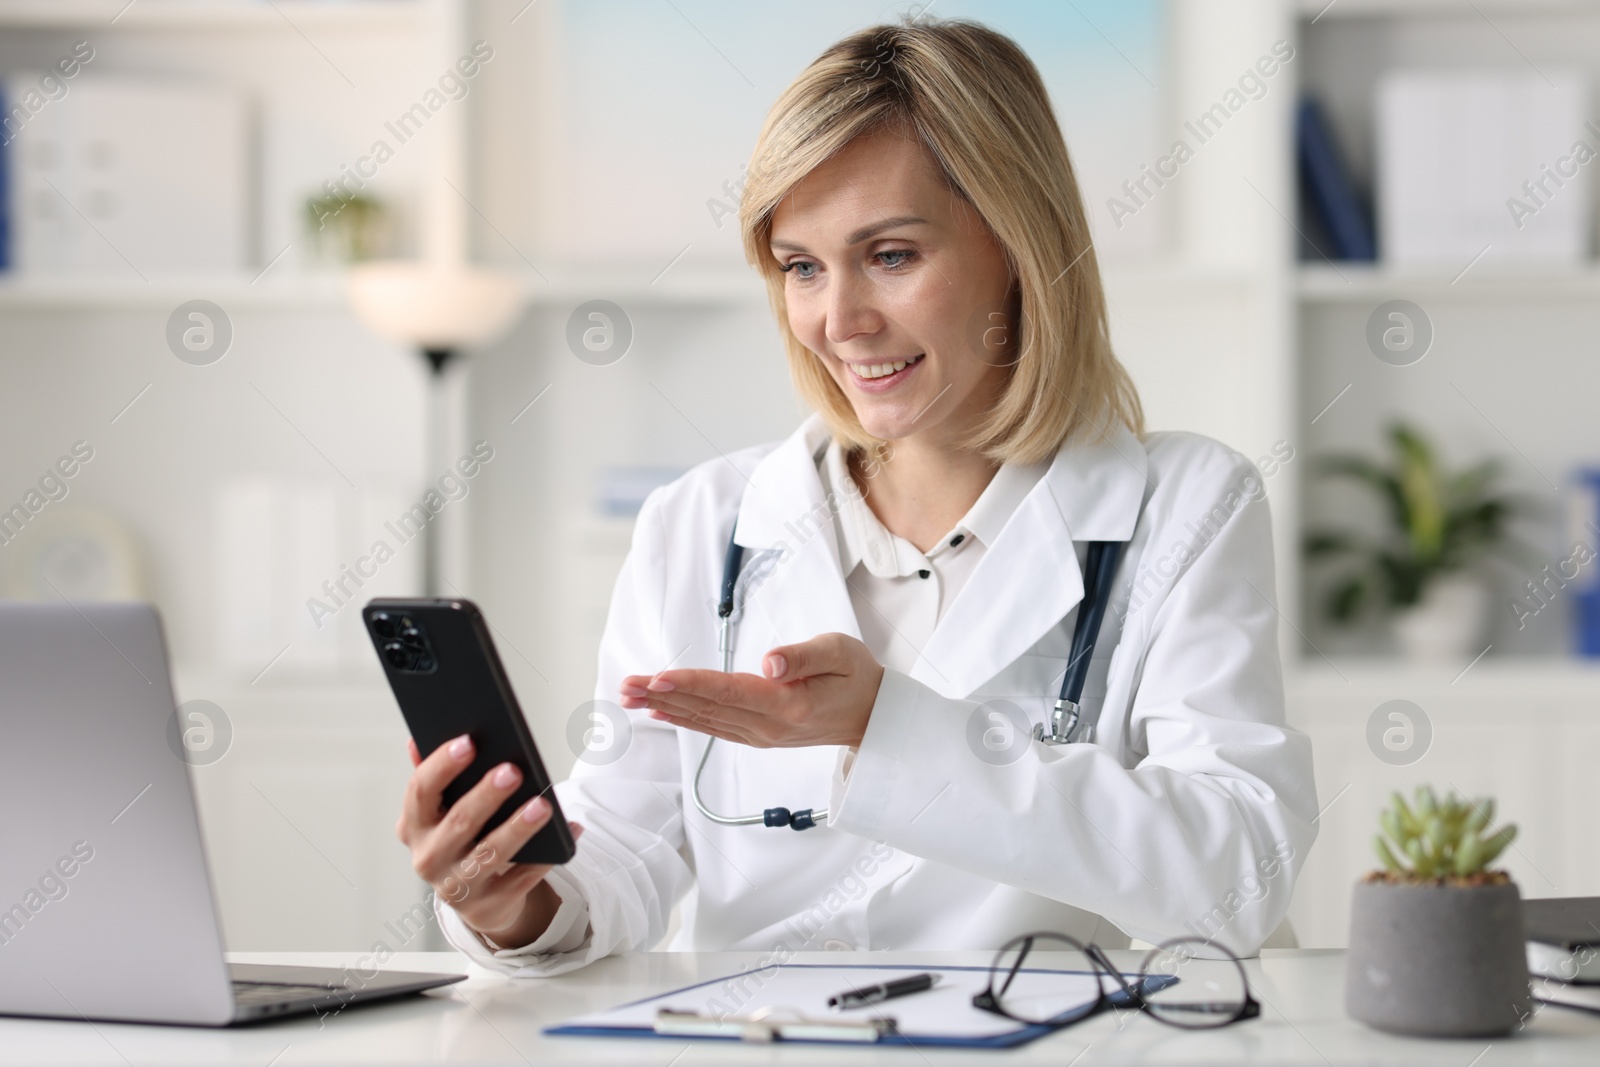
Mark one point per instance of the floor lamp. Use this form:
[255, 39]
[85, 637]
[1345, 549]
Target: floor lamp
[439, 310]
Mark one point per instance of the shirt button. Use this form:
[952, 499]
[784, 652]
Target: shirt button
[833, 944]
[923, 574]
[957, 539]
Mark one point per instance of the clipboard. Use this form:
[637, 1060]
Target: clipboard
[787, 1003]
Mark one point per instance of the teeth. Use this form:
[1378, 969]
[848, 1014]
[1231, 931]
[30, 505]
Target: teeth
[879, 370]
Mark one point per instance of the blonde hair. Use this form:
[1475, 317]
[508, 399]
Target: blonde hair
[975, 101]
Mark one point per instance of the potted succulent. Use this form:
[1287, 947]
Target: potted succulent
[1442, 526]
[1436, 938]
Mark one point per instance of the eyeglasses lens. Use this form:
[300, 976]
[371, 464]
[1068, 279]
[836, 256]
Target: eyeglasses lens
[1185, 990]
[1055, 983]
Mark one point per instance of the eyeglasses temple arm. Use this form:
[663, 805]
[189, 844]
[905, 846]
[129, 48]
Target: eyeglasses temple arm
[1102, 961]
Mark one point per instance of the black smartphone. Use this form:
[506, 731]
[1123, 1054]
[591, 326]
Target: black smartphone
[448, 679]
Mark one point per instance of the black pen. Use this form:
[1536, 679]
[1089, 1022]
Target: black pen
[856, 998]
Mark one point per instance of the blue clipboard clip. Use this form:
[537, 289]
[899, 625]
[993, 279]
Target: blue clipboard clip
[772, 1024]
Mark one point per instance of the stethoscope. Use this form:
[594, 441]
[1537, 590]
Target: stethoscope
[1067, 724]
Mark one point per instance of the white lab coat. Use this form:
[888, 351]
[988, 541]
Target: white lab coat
[1190, 813]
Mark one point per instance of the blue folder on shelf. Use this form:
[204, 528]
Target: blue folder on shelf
[788, 1002]
[1328, 185]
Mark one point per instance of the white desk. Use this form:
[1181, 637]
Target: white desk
[492, 1020]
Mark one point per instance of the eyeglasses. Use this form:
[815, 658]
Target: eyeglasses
[1173, 986]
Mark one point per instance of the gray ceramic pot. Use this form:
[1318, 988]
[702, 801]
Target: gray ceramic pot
[1437, 961]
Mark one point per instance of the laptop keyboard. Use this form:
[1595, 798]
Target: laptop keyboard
[267, 992]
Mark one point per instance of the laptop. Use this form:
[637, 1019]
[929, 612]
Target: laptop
[106, 906]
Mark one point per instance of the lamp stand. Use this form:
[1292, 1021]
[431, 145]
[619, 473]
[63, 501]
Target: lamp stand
[438, 460]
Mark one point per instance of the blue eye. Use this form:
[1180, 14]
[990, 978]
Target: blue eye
[804, 269]
[895, 258]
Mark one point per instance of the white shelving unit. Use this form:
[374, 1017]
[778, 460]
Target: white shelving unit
[1502, 334]
[1352, 284]
[1519, 723]
[327, 291]
[60, 294]
[299, 813]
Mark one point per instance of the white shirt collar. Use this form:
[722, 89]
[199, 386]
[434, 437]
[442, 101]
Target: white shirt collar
[864, 539]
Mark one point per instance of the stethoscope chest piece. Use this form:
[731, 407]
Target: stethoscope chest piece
[1066, 726]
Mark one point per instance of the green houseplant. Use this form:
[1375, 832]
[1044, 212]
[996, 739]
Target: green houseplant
[346, 229]
[1441, 525]
[1437, 946]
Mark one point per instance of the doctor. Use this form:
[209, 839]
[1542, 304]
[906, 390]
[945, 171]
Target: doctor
[912, 572]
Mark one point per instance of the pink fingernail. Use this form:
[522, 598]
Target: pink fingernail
[661, 685]
[505, 775]
[777, 665]
[461, 746]
[634, 691]
[535, 809]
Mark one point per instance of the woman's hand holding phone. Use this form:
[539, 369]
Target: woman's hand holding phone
[506, 901]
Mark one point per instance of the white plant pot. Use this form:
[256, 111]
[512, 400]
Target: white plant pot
[1447, 624]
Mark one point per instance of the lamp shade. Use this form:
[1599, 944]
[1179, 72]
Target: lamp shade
[434, 306]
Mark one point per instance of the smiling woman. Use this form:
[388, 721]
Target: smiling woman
[907, 581]
[943, 147]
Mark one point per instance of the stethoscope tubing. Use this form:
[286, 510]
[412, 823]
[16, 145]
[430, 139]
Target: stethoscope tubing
[800, 820]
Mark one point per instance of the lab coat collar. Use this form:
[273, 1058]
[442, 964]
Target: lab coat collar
[783, 508]
[783, 489]
[1027, 581]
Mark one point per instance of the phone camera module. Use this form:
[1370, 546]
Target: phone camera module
[404, 644]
